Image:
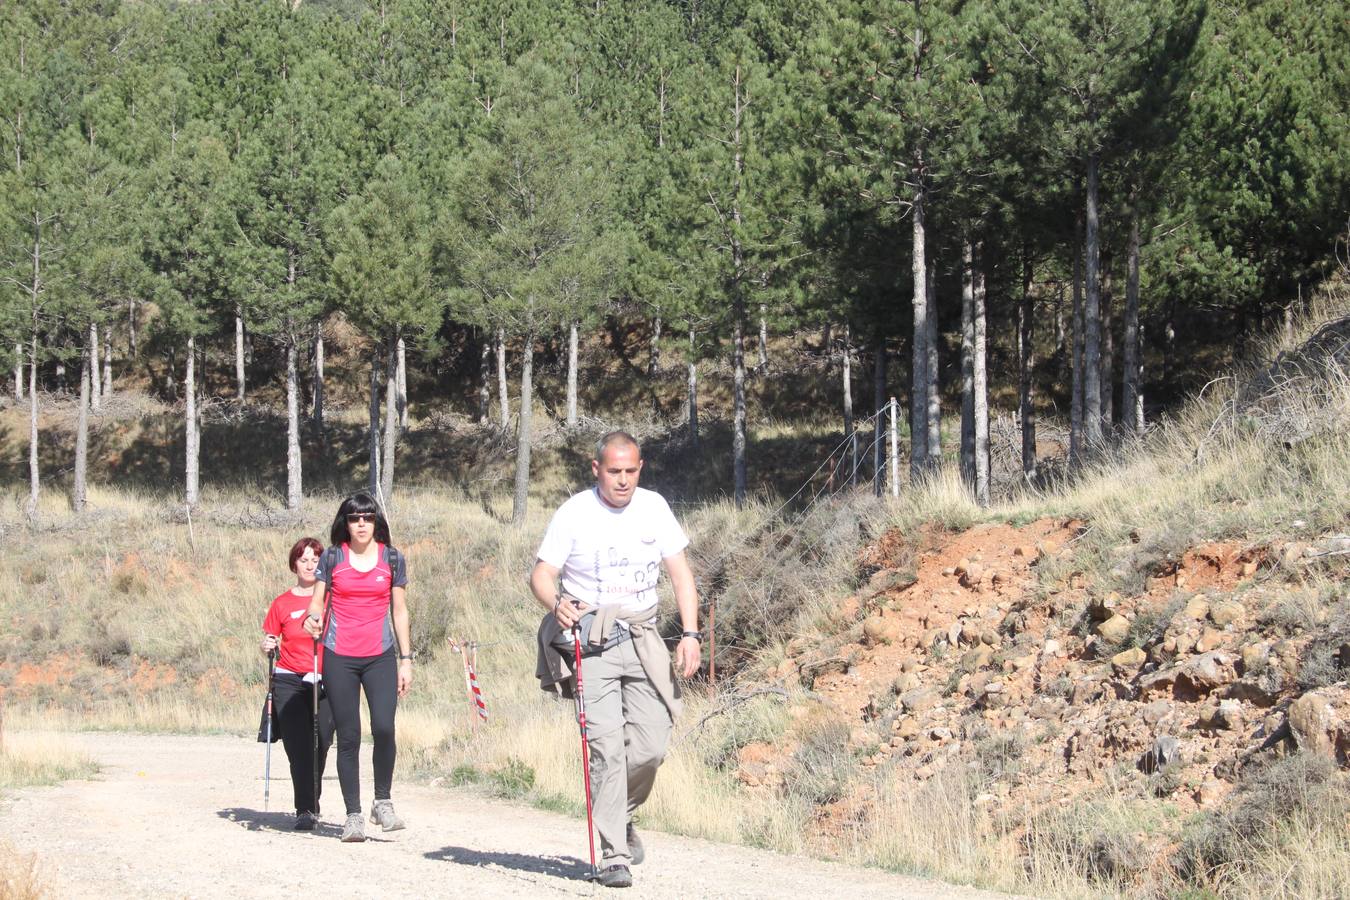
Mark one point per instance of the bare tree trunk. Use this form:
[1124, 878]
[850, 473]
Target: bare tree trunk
[763, 337]
[107, 367]
[294, 478]
[93, 399]
[239, 359]
[402, 383]
[18, 371]
[850, 434]
[934, 399]
[521, 498]
[503, 403]
[967, 362]
[317, 413]
[391, 424]
[572, 375]
[1108, 356]
[738, 436]
[1060, 334]
[484, 379]
[373, 432]
[981, 380]
[918, 387]
[879, 401]
[1076, 389]
[79, 492]
[1131, 398]
[1092, 338]
[60, 378]
[653, 364]
[693, 391]
[190, 490]
[131, 325]
[1026, 366]
[34, 481]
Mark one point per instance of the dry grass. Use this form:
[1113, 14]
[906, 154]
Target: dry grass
[20, 877]
[29, 758]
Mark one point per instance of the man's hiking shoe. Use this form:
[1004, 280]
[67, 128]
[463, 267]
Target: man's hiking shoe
[635, 845]
[354, 831]
[305, 821]
[382, 814]
[615, 877]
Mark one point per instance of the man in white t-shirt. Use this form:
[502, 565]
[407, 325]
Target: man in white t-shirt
[607, 545]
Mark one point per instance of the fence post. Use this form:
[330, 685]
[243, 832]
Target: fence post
[895, 466]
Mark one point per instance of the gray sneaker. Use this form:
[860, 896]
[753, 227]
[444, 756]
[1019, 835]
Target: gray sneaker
[382, 814]
[635, 845]
[615, 877]
[354, 831]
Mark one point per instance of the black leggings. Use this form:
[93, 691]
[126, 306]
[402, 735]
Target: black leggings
[343, 677]
[294, 702]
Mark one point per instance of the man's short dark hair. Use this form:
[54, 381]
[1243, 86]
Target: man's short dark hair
[622, 438]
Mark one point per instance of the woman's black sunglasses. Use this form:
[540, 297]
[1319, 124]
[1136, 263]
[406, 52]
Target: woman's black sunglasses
[353, 518]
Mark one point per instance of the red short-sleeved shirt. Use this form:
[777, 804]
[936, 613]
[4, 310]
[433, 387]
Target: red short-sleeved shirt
[286, 618]
[358, 602]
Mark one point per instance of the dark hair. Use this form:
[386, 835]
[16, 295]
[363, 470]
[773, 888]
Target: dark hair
[305, 543]
[360, 502]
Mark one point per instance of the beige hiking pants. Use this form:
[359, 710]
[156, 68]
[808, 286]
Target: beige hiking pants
[628, 728]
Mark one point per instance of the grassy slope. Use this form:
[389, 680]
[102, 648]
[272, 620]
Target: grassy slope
[133, 617]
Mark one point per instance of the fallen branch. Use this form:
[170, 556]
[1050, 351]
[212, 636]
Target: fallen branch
[730, 702]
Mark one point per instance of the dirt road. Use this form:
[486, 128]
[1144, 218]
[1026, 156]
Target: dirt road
[173, 816]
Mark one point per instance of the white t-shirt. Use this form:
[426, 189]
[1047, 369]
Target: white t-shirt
[609, 555]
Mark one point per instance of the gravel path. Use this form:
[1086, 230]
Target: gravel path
[175, 816]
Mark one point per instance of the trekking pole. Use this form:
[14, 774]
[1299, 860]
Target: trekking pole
[267, 764]
[317, 776]
[585, 750]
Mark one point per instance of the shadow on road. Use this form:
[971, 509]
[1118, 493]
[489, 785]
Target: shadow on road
[257, 820]
[557, 866]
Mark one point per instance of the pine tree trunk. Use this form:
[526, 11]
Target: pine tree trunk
[967, 363]
[654, 364]
[503, 403]
[693, 391]
[317, 413]
[60, 378]
[520, 500]
[94, 400]
[934, 399]
[391, 424]
[18, 372]
[1131, 398]
[402, 383]
[190, 490]
[294, 482]
[79, 492]
[981, 382]
[918, 385]
[1076, 390]
[34, 481]
[1092, 346]
[850, 432]
[879, 401]
[107, 368]
[131, 326]
[1060, 335]
[373, 431]
[572, 375]
[763, 337]
[738, 436]
[484, 379]
[1108, 357]
[1026, 366]
[239, 359]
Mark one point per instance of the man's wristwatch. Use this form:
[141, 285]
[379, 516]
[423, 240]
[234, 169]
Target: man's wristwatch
[408, 656]
[696, 635]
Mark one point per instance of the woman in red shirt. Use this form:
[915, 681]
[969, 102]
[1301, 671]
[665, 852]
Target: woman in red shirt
[293, 686]
[363, 628]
